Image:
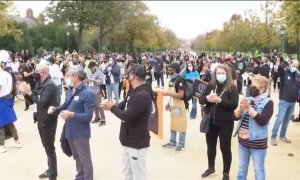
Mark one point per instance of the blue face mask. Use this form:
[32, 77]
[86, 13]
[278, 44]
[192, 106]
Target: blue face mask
[221, 78]
[293, 69]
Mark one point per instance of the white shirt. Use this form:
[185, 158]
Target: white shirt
[15, 67]
[5, 83]
[56, 74]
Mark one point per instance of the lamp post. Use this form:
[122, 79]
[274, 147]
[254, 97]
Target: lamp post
[68, 35]
[282, 32]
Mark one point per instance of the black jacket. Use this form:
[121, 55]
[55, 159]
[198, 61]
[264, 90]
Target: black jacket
[135, 112]
[289, 84]
[224, 112]
[45, 95]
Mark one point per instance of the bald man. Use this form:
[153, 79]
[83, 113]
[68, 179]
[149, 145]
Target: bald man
[44, 96]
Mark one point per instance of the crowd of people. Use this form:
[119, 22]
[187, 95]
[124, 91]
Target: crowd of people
[87, 79]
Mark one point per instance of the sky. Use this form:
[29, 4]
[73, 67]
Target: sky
[187, 19]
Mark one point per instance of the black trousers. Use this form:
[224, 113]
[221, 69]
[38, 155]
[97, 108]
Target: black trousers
[47, 135]
[240, 84]
[224, 134]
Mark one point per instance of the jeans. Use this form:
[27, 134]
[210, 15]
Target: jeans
[182, 136]
[113, 88]
[286, 110]
[160, 78]
[258, 158]
[193, 113]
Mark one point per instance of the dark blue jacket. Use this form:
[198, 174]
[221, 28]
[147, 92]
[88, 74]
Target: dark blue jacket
[289, 84]
[82, 105]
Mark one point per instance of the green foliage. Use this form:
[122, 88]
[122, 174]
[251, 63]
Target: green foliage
[40, 51]
[58, 50]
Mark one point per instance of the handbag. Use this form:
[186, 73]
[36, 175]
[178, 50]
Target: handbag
[204, 124]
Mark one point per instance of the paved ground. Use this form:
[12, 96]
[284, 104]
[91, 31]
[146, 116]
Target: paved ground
[28, 162]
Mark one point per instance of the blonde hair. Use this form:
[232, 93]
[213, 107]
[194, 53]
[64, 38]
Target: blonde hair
[261, 80]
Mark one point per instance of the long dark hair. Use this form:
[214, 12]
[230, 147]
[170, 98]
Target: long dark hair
[187, 67]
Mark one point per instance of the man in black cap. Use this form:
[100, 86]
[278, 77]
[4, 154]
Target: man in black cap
[134, 113]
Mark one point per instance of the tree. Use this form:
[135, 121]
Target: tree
[106, 15]
[77, 13]
[290, 11]
[268, 11]
[7, 24]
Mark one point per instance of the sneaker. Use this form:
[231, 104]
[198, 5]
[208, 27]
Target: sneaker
[286, 140]
[96, 120]
[180, 148]
[102, 123]
[169, 146]
[3, 149]
[208, 172]
[273, 142]
[18, 144]
[44, 175]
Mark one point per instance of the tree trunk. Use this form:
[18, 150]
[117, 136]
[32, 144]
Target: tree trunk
[101, 37]
[80, 33]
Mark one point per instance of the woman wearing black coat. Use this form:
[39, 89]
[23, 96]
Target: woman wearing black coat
[221, 99]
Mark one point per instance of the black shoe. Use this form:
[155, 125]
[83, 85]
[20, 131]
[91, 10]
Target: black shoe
[208, 172]
[44, 175]
[26, 108]
[96, 120]
[102, 123]
[225, 176]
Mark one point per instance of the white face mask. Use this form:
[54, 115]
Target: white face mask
[190, 68]
[68, 82]
[110, 62]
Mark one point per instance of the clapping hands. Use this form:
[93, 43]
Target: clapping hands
[213, 98]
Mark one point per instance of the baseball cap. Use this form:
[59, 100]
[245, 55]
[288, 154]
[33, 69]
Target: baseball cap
[4, 56]
[138, 70]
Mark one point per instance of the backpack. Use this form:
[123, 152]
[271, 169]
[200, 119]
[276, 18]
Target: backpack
[189, 89]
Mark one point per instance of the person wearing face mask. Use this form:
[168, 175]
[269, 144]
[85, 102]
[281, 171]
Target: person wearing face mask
[43, 96]
[134, 112]
[7, 112]
[176, 91]
[254, 114]
[95, 79]
[27, 75]
[121, 64]
[191, 74]
[112, 73]
[220, 98]
[288, 93]
[77, 112]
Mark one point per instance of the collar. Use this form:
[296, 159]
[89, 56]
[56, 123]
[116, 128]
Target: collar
[81, 86]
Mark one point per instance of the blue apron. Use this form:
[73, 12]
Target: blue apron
[7, 112]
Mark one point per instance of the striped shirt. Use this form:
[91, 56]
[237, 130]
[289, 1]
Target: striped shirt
[262, 119]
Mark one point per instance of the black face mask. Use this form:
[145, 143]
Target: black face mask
[32, 64]
[254, 92]
[36, 77]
